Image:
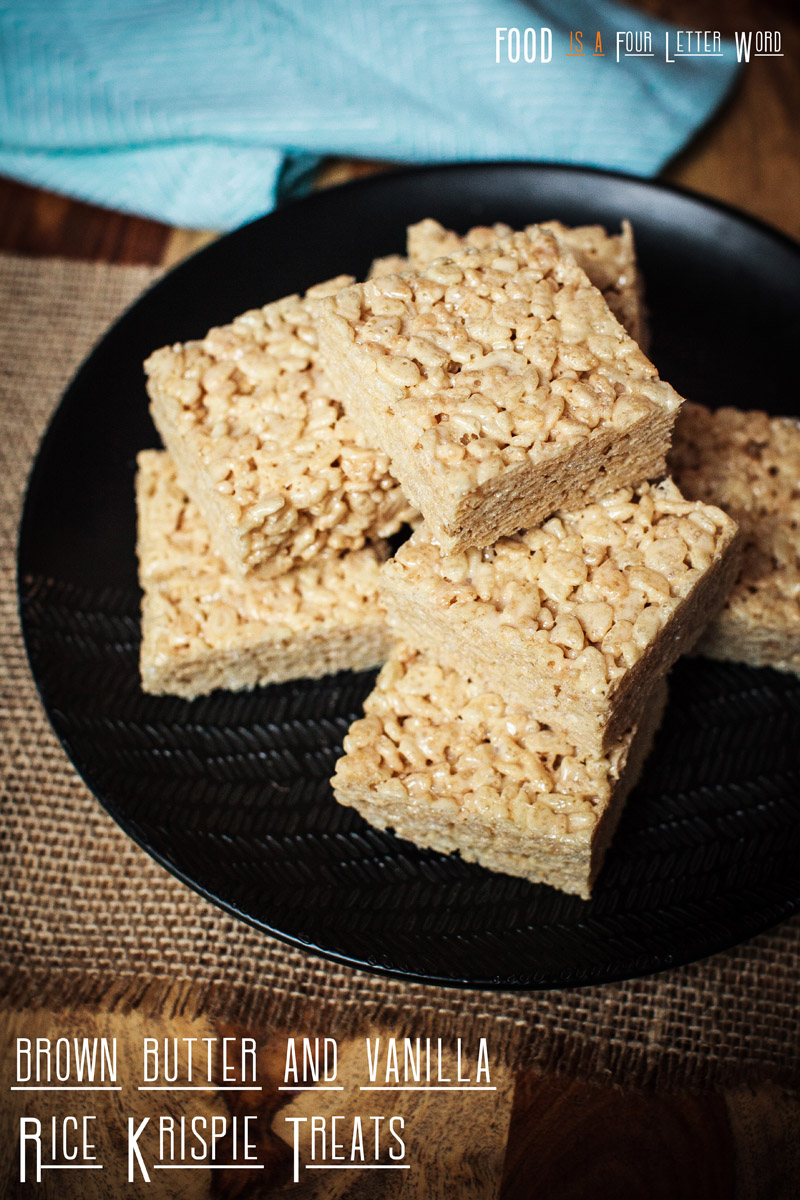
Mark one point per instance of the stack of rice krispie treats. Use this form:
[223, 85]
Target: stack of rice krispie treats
[263, 524]
[491, 389]
[557, 574]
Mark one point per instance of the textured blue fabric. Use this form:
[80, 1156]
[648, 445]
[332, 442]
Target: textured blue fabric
[204, 113]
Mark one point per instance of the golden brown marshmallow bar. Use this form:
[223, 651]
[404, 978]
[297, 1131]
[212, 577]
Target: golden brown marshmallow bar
[576, 619]
[203, 628]
[450, 766]
[749, 464]
[500, 385]
[261, 446]
[609, 260]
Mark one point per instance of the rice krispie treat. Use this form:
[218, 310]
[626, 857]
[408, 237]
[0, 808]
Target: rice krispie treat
[575, 619]
[203, 628]
[451, 766]
[609, 260]
[749, 464]
[390, 264]
[500, 385]
[262, 448]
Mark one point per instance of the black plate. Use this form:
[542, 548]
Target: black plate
[231, 792]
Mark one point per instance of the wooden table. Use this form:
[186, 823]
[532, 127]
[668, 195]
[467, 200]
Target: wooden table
[550, 1136]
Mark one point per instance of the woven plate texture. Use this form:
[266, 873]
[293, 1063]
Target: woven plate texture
[231, 792]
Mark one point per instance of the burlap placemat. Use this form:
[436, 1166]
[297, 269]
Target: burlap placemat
[87, 917]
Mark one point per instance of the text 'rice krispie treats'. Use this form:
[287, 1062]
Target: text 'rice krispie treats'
[577, 618]
[500, 385]
[453, 767]
[609, 260]
[749, 464]
[203, 628]
[262, 448]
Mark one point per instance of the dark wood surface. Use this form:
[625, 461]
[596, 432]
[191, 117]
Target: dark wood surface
[541, 1137]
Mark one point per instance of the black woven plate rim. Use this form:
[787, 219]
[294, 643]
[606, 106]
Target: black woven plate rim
[782, 900]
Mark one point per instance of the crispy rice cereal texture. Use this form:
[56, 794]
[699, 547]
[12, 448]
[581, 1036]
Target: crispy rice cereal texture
[450, 766]
[203, 628]
[390, 264]
[749, 464]
[609, 260]
[576, 619]
[268, 456]
[500, 385]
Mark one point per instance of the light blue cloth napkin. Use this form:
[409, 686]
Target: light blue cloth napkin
[205, 113]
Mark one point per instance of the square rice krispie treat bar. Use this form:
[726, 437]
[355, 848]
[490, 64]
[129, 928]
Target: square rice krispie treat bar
[453, 767]
[500, 385]
[263, 449]
[203, 628]
[749, 464]
[609, 260]
[576, 619]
